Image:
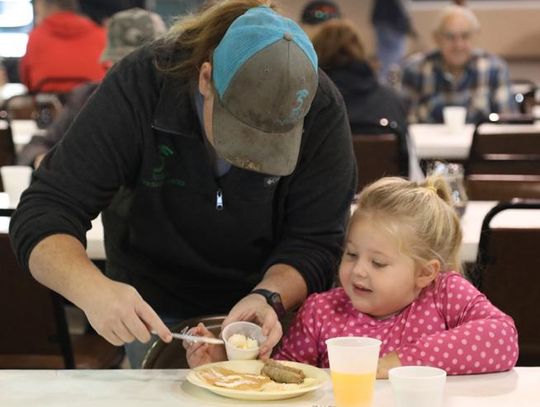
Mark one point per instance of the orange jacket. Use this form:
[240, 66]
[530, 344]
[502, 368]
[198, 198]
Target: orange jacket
[65, 45]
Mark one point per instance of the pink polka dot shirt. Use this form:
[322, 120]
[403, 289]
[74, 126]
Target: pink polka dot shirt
[450, 325]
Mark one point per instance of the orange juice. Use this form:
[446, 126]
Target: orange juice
[353, 389]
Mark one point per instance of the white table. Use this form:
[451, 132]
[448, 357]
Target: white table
[95, 246]
[168, 388]
[22, 132]
[471, 224]
[434, 141]
[9, 90]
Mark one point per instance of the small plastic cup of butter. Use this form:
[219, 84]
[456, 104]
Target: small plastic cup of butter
[242, 340]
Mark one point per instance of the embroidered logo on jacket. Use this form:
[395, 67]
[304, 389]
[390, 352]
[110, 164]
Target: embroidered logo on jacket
[159, 175]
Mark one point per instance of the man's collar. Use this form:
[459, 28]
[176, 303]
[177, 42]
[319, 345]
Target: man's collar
[438, 63]
[175, 111]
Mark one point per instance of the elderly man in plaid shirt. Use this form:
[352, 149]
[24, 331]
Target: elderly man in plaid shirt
[456, 74]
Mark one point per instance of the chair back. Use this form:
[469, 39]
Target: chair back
[524, 94]
[510, 150]
[172, 355]
[61, 85]
[508, 273]
[380, 150]
[7, 147]
[501, 187]
[34, 328]
[41, 107]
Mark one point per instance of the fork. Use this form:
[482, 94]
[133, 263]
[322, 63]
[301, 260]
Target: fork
[184, 335]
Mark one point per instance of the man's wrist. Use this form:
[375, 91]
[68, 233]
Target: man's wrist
[273, 299]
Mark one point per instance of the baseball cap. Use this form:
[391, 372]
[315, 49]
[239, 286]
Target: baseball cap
[128, 30]
[265, 77]
[316, 12]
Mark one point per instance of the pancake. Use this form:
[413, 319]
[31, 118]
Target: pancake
[222, 377]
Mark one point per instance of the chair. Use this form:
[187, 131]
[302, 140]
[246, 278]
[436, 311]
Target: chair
[500, 187]
[41, 107]
[524, 94]
[34, 329]
[504, 152]
[60, 85]
[7, 147]
[172, 355]
[508, 273]
[380, 150]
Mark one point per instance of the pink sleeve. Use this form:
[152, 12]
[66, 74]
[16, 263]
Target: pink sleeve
[299, 344]
[479, 338]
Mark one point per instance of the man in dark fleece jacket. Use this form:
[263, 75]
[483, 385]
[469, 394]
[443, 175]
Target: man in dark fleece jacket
[222, 170]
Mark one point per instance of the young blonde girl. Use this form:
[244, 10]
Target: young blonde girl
[401, 282]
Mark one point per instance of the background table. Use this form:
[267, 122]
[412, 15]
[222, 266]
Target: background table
[471, 224]
[9, 90]
[23, 131]
[169, 388]
[435, 141]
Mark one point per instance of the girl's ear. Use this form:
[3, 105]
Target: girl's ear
[427, 273]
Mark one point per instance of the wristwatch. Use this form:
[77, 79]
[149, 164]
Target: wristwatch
[273, 299]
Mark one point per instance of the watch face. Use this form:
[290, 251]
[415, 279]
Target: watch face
[275, 298]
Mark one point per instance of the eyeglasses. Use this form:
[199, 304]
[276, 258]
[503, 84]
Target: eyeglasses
[454, 36]
[320, 14]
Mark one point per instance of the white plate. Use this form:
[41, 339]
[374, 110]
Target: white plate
[255, 366]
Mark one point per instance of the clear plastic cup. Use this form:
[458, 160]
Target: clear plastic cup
[15, 179]
[353, 367]
[417, 386]
[248, 330]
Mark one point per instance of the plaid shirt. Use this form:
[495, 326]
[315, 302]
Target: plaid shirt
[483, 88]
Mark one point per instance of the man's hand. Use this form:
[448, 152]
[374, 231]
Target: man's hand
[255, 308]
[119, 314]
[199, 353]
[115, 310]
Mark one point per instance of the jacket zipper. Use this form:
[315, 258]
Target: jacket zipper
[219, 200]
[219, 192]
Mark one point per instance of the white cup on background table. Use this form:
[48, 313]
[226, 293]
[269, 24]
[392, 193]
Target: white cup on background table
[15, 179]
[454, 118]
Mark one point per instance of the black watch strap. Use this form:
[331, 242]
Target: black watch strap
[273, 299]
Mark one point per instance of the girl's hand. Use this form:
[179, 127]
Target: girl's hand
[199, 353]
[386, 363]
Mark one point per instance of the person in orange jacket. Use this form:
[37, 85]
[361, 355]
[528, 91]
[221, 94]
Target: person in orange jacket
[63, 49]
